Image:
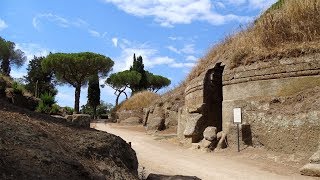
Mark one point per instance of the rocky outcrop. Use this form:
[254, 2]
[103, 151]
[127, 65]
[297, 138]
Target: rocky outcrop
[210, 133]
[132, 121]
[28, 102]
[313, 167]
[79, 120]
[38, 146]
[163, 114]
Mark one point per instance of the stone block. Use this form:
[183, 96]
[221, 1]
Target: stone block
[81, 120]
[311, 170]
[210, 133]
[192, 121]
[132, 121]
[156, 123]
[315, 158]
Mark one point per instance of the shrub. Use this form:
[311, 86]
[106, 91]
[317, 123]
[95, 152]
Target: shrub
[47, 104]
[42, 108]
[18, 88]
[69, 110]
[55, 109]
[47, 99]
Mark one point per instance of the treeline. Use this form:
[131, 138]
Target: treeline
[78, 70]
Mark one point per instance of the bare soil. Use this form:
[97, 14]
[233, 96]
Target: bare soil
[163, 154]
[37, 146]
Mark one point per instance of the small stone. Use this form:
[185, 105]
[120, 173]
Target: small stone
[205, 143]
[210, 133]
[315, 158]
[311, 170]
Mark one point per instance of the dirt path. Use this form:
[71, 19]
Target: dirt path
[166, 158]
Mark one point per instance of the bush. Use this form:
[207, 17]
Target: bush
[55, 109]
[42, 108]
[47, 104]
[47, 99]
[18, 88]
[69, 110]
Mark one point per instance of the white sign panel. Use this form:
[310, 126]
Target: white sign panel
[237, 115]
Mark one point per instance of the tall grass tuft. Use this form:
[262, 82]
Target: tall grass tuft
[139, 101]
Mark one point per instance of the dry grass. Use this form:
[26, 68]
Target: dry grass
[139, 101]
[290, 29]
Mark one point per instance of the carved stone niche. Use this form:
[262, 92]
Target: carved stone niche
[203, 104]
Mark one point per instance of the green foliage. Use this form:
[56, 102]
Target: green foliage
[37, 80]
[136, 79]
[76, 68]
[47, 99]
[46, 104]
[55, 109]
[18, 88]
[122, 80]
[69, 110]
[9, 55]
[138, 66]
[102, 108]
[156, 82]
[94, 93]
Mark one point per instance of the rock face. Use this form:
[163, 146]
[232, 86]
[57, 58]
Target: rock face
[156, 123]
[132, 121]
[38, 146]
[167, 108]
[20, 100]
[279, 101]
[312, 168]
[81, 120]
[123, 115]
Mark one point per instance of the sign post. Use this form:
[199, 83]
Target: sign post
[237, 120]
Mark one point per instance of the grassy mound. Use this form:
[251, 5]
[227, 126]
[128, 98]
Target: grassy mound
[139, 101]
[289, 28]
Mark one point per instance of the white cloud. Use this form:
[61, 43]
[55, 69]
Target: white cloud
[251, 4]
[60, 21]
[150, 55]
[3, 24]
[115, 41]
[32, 49]
[94, 33]
[181, 65]
[168, 13]
[187, 49]
[174, 38]
[191, 58]
[173, 49]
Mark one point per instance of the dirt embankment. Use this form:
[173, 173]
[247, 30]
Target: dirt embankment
[36, 146]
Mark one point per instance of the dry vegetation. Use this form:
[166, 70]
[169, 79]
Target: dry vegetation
[290, 28]
[139, 101]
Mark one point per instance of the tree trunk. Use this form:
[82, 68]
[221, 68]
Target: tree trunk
[77, 99]
[95, 112]
[117, 99]
[5, 67]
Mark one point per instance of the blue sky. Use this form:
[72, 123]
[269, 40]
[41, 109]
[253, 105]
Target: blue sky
[170, 35]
